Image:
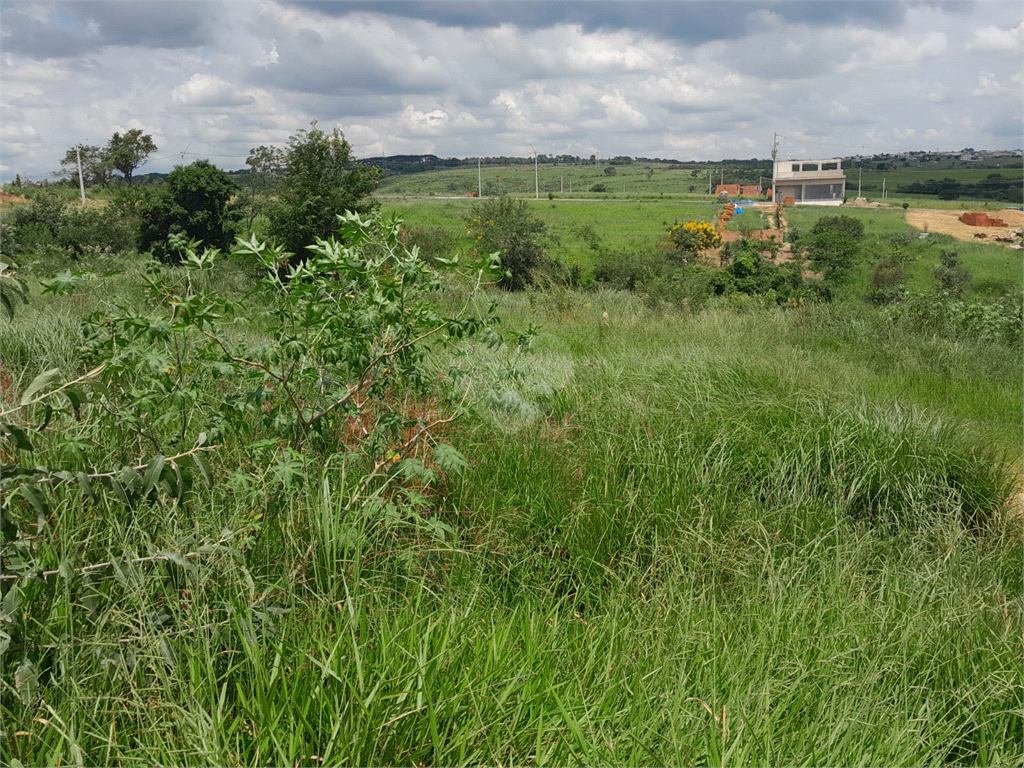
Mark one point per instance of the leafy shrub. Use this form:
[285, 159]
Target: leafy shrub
[506, 225]
[633, 270]
[50, 224]
[434, 242]
[937, 313]
[887, 280]
[193, 203]
[854, 228]
[833, 252]
[951, 276]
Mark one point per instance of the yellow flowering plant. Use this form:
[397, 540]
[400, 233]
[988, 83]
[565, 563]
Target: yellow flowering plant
[694, 236]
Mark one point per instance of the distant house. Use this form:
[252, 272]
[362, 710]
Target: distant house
[809, 182]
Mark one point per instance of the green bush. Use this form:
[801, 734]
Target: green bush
[630, 271]
[433, 242]
[193, 203]
[833, 252]
[52, 224]
[940, 314]
[888, 278]
[852, 227]
[506, 225]
[951, 276]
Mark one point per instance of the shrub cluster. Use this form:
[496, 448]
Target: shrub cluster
[835, 246]
[51, 225]
[507, 226]
[942, 314]
[746, 272]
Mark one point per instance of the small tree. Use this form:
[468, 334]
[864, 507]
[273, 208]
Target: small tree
[951, 276]
[835, 245]
[508, 225]
[833, 253]
[193, 202]
[128, 152]
[96, 167]
[266, 165]
[321, 181]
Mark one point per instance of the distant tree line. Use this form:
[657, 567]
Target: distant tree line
[394, 165]
[993, 188]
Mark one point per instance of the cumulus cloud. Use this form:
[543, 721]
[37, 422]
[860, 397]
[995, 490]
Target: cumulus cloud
[998, 40]
[209, 91]
[692, 80]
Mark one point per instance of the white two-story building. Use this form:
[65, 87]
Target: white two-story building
[809, 182]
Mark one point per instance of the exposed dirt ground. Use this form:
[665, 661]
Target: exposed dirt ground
[948, 223]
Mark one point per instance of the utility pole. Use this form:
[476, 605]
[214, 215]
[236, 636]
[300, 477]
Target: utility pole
[561, 183]
[860, 175]
[775, 153]
[709, 182]
[883, 187]
[536, 178]
[81, 183]
[479, 182]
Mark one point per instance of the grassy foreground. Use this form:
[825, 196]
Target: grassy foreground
[769, 537]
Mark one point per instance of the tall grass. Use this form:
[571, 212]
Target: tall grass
[731, 538]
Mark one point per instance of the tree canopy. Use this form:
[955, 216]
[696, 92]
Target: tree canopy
[321, 180]
[96, 167]
[193, 202]
[127, 152]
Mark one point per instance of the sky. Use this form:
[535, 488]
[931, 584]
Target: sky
[685, 80]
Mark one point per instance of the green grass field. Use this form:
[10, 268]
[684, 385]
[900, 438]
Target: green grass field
[643, 180]
[738, 536]
[577, 226]
[638, 179]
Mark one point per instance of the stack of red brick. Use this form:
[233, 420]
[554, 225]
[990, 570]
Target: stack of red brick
[736, 190]
[978, 219]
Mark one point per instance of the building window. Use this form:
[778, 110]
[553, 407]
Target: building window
[796, 167]
[809, 167]
[830, 166]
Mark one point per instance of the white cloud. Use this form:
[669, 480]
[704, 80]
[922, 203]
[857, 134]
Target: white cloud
[429, 122]
[410, 85]
[989, 85]
[876, 50]
[838, 110]
[620, 113]
[209, 90]
[998, 40]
